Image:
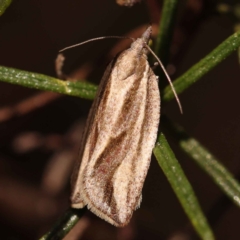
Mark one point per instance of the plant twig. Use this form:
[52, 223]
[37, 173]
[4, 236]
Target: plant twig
[210, 164]
[203, 66]
[43, 82]
[64, 225]
[181, 187]
[87, 90]
[166, 29]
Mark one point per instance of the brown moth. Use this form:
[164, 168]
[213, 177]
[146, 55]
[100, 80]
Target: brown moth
[119, 137]
[127, 3]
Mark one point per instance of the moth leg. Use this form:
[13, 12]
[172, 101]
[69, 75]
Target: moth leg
[59, 62]
[139, 202]
[155, 65]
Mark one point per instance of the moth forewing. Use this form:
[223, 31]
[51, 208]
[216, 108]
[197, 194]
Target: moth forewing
[76, 197]
[119, 137]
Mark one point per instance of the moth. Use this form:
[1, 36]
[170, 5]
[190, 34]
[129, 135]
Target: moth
[120, 134]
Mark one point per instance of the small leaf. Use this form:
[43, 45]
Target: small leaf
[210, 164]
[43, 82]
[201, 68]
[64, 224]
[166, 29]
[181, 187]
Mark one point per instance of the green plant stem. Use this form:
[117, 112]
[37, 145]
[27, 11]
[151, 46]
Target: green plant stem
[87, 90]
[203, 66]
[43, 82]
[4, 4]
[181, 187]
[64, 225]
[211, 165]
[166, 29]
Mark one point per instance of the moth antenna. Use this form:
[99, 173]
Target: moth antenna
[168, 78]
[94, 39]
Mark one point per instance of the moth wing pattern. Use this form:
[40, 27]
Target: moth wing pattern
[119, 138]
[76, 197]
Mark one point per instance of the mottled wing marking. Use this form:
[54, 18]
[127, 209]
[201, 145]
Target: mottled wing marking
[81, 163]
[119, 138]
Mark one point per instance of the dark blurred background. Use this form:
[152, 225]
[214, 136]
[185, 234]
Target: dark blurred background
[40, 132]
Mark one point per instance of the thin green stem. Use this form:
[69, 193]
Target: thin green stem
[166, 29]
[181, 187]
[210, 164]
[204, 66]
[64, 225]
[43, 82]
[86, 90]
